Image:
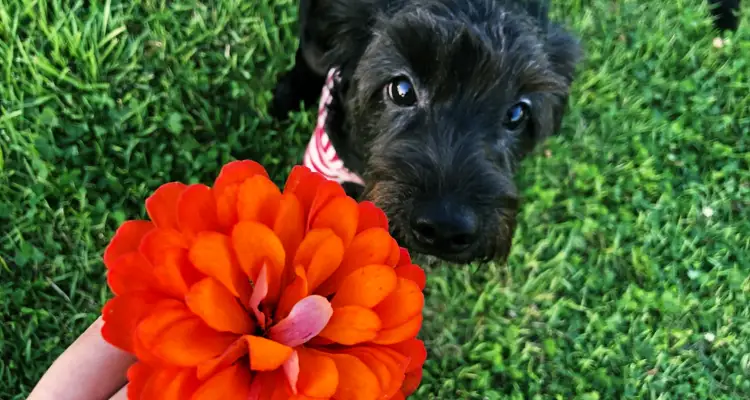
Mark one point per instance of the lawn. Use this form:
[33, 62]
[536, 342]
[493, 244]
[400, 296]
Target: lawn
[629, 275]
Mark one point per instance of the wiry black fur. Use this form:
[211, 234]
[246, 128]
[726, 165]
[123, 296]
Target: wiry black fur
[470, 60]
[726, 14]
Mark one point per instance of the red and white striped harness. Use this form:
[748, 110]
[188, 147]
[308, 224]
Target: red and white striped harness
[320, 155]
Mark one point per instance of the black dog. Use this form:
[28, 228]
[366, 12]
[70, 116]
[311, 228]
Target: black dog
[726, 14]
[435, 104]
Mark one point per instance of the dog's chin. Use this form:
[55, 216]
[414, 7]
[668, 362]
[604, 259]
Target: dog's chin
[430, 260]
[473, 254]
[432, 257]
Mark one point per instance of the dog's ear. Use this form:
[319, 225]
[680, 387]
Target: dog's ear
[565, 53]
[563, 50]
[334, 33]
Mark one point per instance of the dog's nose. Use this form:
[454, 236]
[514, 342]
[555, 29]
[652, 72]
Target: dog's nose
[445, 226]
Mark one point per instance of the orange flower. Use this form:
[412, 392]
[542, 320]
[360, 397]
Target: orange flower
[242, 291]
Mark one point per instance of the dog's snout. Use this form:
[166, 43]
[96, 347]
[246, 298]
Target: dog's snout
[445, 227]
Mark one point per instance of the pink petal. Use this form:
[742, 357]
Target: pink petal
[291, 369]
[306, 320]
[259, 294]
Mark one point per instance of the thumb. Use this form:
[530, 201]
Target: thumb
[90, 369]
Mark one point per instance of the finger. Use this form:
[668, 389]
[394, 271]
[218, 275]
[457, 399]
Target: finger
[121, 394]
[90, 369]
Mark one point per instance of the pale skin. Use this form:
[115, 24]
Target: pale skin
[90, 369]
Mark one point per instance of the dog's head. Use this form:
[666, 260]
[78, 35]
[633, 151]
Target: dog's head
[438, 103]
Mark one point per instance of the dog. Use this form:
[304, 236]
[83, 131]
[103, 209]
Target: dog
[726, 14]
[428, 108]
[431, 107]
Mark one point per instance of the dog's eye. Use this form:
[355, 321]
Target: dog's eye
[518, 115]
[401, 92]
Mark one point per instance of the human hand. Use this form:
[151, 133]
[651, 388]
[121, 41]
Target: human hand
[90, 369]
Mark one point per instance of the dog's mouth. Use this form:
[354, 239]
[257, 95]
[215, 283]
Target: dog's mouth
[455, 258]
[471, 253]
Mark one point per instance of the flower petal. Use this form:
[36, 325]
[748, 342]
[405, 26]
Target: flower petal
[157, 241]
[366, 287]
[289, 226]
[320, 254]
[408, 330]
[291, 370]
[389, 368]
[294, 292]
[327, 191]
[131, 272]
[396, 364]
[121, 316]
[126, 239]
[218, 308]
[396, 254]
[319, 341]
[170, 384]
[306, 320]
[260, 388]
[404, 258]
[373, 246]
[304, 184]
[175, 274]
[406, 301]
[318, 375]
[230, 384]
[162, 314]
[398, 396]
[144, 354]
[341, 216]
[370, 216]
[414, 350]
[351, 325]
[411, 382]
[226, 206]
[266, 355]
[162, 205]
[270, 386]
[212, 254]
[356, 381]
[166, 251]
[379, 369]
[234, 352]
[227, 186]
[303, 397]
[189, 342]
[118, 283]
[255, 245]
[258, 200]
[196, 210]
[237, 172]
[138, 376]
[413, 273]
[260, 291]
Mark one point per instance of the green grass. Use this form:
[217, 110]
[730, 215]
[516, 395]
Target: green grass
[629, 275]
